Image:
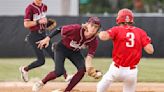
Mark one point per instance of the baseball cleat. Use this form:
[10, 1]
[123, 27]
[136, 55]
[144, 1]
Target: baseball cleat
[37, 86]
[24, 74]
[69, 78]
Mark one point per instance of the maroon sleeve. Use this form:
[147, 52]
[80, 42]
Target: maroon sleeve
[145, 39]
[92, 47]
[66, 30]
[28, 13]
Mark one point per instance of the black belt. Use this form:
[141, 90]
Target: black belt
[131, 67]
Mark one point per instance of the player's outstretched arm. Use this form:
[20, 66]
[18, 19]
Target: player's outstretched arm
[103, 35]
[45, 42]
[149, 49]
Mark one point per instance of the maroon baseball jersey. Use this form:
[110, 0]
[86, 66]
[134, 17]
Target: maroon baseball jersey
[74, 39]
[33, 13]
[128, 42]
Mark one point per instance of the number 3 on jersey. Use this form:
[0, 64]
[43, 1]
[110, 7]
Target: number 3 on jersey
[131, 37]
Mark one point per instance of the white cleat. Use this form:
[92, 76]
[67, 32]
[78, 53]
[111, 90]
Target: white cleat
[69, 78]
[24, 74]
[57, 90]
[37, 86]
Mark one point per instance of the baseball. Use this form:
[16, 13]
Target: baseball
[99, 74]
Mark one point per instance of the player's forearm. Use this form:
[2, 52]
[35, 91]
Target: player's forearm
[88, 61]
[28, 24]
[149, 49]
[47, 39]
[54, 32]
[104, 36]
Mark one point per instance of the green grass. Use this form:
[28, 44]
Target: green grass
[150, 70]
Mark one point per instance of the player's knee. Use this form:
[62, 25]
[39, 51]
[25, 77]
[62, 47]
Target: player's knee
[82, 70]
[59, 73]
[41, 61]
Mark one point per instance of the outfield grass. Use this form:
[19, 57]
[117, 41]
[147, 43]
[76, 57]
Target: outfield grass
[150, 70]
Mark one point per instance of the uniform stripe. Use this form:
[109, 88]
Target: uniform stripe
[90, 39]
[81, 35]
[86, 41]
[42, 10]
[39, 12]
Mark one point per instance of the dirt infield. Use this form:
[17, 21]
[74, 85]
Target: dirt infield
[81, 87]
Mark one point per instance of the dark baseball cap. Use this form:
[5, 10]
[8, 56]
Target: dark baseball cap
[94, 20]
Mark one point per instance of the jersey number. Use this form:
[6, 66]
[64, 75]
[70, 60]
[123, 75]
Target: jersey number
[130, 42]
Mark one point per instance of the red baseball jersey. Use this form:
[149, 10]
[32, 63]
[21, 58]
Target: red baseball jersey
[33, 13]
[128, 42]
[74, 39]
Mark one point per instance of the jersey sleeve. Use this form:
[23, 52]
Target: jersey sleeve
[145, 39]
[28, 13]
[68, 29]
[112, 32]
[92, 47]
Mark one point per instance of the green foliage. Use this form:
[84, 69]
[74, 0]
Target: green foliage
[84, 1]
[112, 6]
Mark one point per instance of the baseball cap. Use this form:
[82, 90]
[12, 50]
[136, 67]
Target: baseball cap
[94, 20]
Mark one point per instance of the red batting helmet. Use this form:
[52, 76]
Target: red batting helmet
[94, 20]
[125, 15]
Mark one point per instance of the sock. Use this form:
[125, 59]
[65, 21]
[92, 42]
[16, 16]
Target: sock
[65, 75]
[76, 78]
[26, 69]
[50, 76]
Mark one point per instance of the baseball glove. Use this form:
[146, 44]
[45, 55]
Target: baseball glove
[51, 24]
[96, 74]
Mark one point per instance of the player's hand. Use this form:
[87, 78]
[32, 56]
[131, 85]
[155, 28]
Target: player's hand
[91, 71]
[43, 21]
[43, 43]
[103, 35]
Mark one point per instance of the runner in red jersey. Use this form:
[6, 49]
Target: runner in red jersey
[128, 42]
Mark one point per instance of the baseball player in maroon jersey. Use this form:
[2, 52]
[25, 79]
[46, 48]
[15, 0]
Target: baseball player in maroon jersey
[74, 38]
[35, 20]
[128, 42]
